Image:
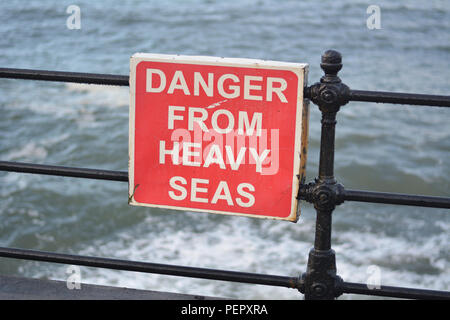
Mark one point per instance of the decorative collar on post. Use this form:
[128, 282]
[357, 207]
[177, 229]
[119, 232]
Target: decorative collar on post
[330, 94]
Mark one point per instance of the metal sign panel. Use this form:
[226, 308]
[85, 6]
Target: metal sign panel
[217, 135]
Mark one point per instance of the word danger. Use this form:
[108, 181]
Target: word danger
[227, 85]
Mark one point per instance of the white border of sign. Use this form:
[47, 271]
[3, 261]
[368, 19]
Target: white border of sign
[301, 128]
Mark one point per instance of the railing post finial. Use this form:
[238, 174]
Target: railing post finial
[331, 64]
[330, 93]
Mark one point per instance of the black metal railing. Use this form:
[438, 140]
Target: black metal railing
[320, 281]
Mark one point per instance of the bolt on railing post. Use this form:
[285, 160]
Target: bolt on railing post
[320, 280]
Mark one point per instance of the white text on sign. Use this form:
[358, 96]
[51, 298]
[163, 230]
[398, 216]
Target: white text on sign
[251, 87]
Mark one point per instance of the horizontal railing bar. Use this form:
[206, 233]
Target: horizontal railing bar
[393, 97]
[64, 171]
[400, 98]
[78, 77]
[123, 80]
[348, 195]
[394, 292]
[146, 267]
[396, 198]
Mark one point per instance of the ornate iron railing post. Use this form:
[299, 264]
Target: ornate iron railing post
[320, 280]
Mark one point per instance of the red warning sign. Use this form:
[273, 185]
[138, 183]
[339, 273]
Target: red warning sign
[218, 135]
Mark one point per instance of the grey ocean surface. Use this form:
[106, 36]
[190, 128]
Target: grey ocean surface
[379, 147]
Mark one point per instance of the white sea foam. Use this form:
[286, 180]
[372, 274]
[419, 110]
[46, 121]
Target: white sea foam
[35, 150]
[96, 95]
[30, 151]
[239, 245]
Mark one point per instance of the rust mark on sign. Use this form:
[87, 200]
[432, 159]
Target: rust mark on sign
[304, 143]
[130, 198]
